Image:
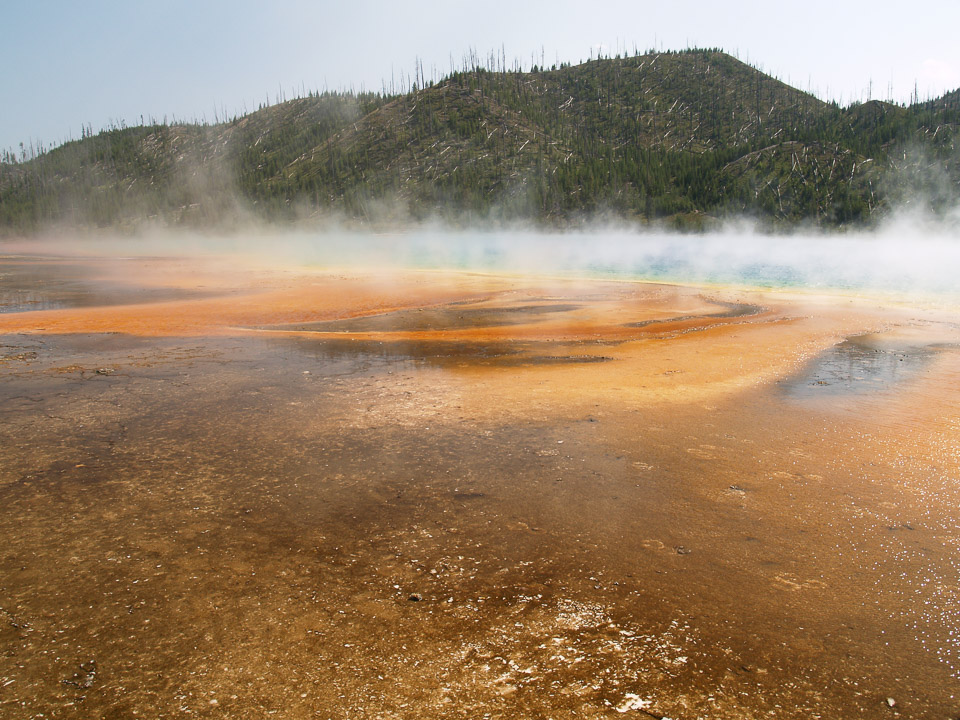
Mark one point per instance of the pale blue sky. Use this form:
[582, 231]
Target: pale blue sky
[66, 64]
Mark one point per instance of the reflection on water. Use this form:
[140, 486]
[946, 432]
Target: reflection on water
[57, 285]
[47, 286]
[421, 353]
[860, 365]
[12, 301]
[448, 317]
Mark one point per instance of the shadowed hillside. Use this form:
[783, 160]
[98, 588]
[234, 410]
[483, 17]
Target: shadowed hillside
[688, 138]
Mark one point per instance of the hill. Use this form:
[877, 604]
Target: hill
[686, 137]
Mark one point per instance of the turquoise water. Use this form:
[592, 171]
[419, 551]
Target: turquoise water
[923, 264]
[911, 259]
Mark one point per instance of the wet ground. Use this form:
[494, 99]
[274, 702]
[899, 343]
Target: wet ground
[302, 494]
[38, 283]
[868, 364]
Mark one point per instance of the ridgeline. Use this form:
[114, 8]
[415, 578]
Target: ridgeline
[685, 139]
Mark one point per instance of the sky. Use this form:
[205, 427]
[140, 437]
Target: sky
[68, 65]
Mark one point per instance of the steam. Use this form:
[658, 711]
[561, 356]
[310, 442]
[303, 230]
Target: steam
[909, 256]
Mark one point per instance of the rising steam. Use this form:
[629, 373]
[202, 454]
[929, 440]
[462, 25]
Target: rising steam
[909, 255]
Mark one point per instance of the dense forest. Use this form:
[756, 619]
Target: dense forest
[687, 139]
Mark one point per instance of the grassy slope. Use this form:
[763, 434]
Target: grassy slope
[687, 136]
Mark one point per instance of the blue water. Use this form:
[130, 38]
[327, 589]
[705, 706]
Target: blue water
[920, 264]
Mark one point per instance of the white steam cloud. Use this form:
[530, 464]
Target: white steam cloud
[909, 256]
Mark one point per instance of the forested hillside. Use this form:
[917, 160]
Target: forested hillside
[686, 138]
